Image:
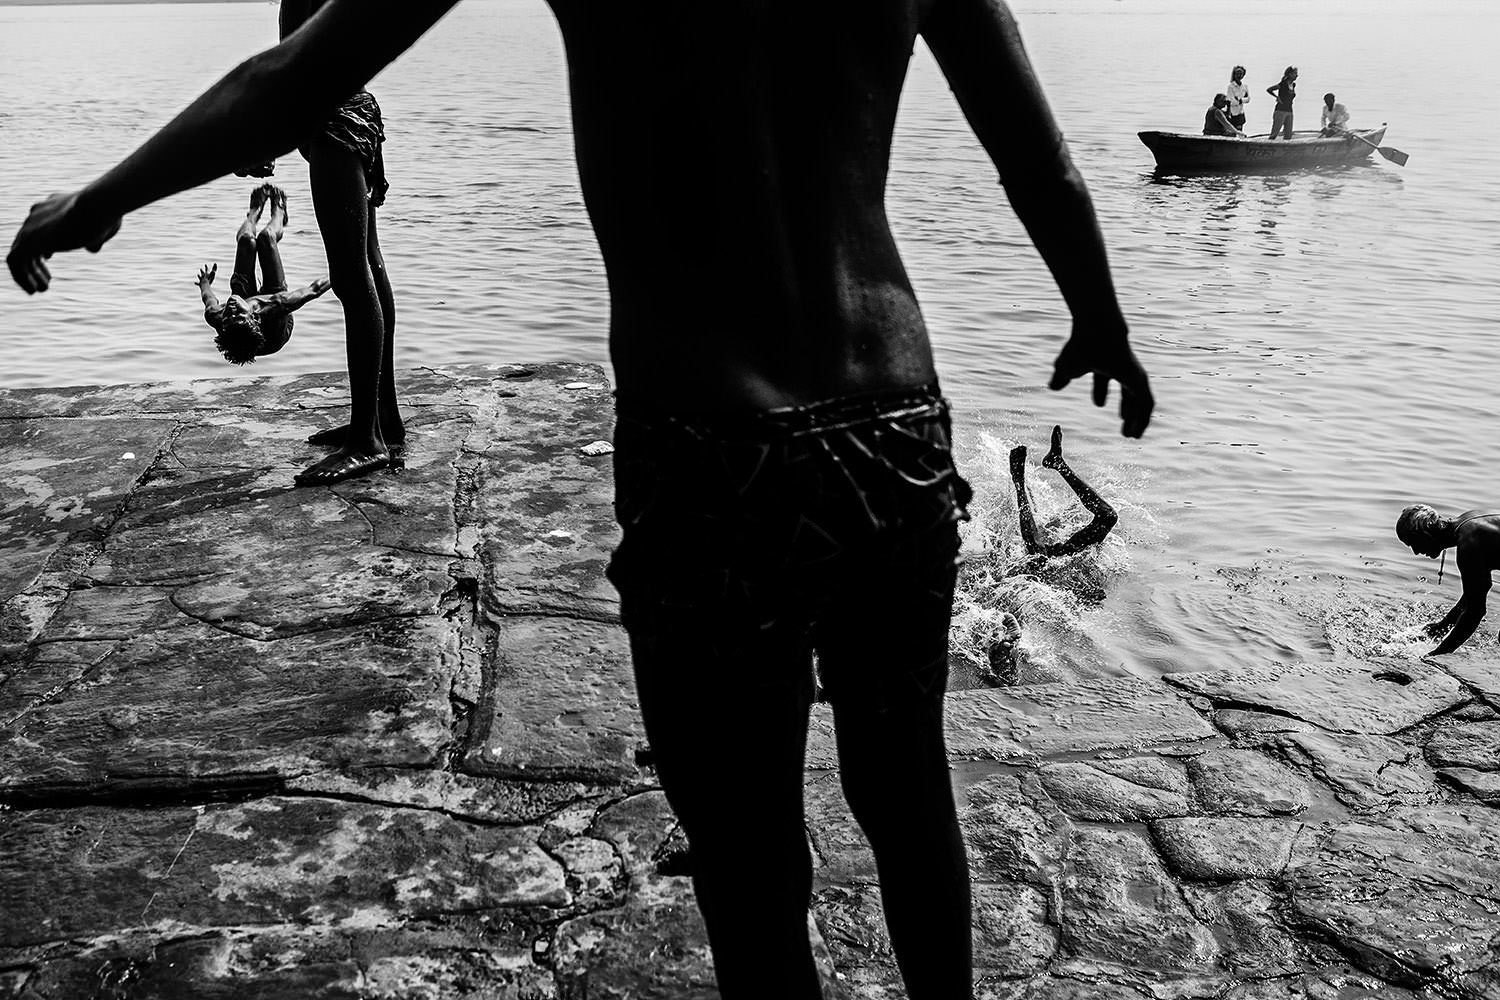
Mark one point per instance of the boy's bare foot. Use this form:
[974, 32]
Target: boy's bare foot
[393, 431]
[1018, 461]
[1054, 456]
[342, 464]
[258, 200]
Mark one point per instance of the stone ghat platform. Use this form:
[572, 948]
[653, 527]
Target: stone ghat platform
[379, 740]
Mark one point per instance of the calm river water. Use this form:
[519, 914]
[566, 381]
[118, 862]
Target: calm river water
[1322, 343]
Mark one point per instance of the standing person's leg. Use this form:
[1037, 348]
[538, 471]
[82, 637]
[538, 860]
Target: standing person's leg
[723, 669]
[387, 408]
[341, 203]
[392, 427]
[728, 747]
[882, 646]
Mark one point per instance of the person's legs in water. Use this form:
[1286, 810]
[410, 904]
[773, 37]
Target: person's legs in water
[1104, 516]
[892, 759]
[388, 410]
[341, 203]
[1024, 513]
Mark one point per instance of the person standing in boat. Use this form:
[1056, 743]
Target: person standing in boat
[1216, 120]
[1334, 117]
[1476, 536]
[1239, 96]
[1285, 93]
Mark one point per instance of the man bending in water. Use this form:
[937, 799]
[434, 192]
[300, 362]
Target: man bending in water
[1476, 536]
[252, 323]
[783, 469]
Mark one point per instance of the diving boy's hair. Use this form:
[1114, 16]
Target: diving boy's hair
[240, 339]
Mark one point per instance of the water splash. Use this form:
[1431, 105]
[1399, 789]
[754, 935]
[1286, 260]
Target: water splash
[1067, 623]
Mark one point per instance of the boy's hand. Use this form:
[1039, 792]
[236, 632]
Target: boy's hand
[53, 226]
[207, 273]
[1107, 355]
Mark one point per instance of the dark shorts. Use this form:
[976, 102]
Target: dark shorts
[359, 127]
[276, 330]
[1238, 121]
[751, 542]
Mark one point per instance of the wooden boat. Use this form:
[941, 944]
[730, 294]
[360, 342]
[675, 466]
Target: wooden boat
[1178, 152]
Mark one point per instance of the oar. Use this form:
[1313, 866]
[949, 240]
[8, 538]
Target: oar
[1389, 152]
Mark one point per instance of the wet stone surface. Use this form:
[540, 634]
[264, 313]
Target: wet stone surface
[380, 740]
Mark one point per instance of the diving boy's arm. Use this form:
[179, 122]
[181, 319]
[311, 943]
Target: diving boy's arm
[978, 45]
[212, 310]
[206, 275]
[291, 301]
[259, 111]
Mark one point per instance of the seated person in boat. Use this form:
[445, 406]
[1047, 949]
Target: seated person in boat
[1335, 116]
[1216, 119]
[1476, 536]
[251, 322]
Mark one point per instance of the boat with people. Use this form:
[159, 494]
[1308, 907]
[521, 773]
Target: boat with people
[1185, 152]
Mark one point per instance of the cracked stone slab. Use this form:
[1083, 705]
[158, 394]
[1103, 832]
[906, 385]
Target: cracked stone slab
[1483, 785]
[1118, 791]
[562, 706]
[1216, 848]
[841, 853]
[1376, 696]
[479, 958]
[1247, 783]
[1478, 669]
[1338, 983]
[1243, 915]
[546, 512]
[265, 560]
[485, 800]
[1414, 899]
[1465, 744]
[1120, 906]
[1020, 724]
[656, 950]
[1366, 773]
[92, 871]
[192, 706]
[1013, 831]
[62, 483]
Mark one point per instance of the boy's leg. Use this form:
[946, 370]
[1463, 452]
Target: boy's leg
[1024, 515]
[727, 736]
[884, 658]
[1091, 499]
[267, 245]
[242, 278]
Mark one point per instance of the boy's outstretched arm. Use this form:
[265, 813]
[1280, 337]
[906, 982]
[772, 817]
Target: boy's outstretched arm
[296, 298]
[256, 113]
[978, 46]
